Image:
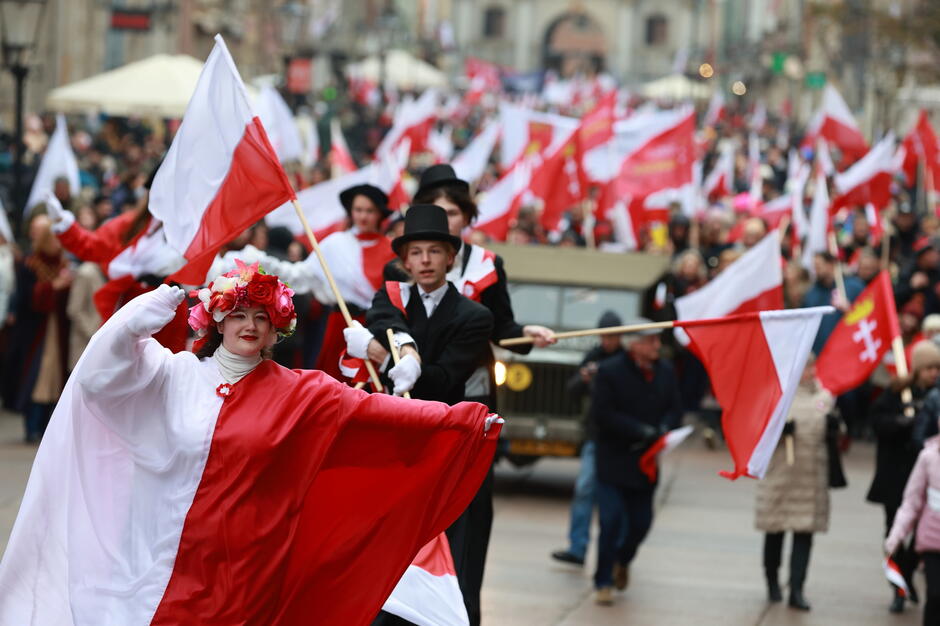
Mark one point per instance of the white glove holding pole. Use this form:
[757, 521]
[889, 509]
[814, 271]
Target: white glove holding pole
[159, 308]
[405, 374]
[357, 340]
[62, 220]
[491, 419]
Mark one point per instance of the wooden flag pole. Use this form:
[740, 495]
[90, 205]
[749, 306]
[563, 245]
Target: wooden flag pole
[788, 442]
[612, 330]
[900, 363]
[329, 278]
[394, 350]
[885, 249]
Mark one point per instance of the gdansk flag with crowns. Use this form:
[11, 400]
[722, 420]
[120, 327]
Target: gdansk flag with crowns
[860, 340]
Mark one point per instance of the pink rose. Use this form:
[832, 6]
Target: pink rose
[282, 308]
[198, 317]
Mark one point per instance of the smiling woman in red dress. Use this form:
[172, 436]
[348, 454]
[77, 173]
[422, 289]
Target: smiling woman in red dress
[224, 488]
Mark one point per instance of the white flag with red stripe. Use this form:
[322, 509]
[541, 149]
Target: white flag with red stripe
[835, 123]
[754, 362]
[428, 593]
[752, 283]
[221, 174]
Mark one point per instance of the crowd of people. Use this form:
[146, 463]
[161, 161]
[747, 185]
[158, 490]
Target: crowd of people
[56, 290]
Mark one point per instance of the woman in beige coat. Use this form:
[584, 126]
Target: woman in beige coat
[794, 496]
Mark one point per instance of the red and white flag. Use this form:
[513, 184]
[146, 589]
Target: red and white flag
[500, 204]
[557, 181]
[921, 144]
[895, 577]
[817, 228]
[428, 593]
[483, 77]
[663, 162]
[860, 339]
[835, 123]
[720, 180]
[716, 109]
[526, 132]
[471, 163]
[279, 123]
[752, 283]
[773, 211]
[869, 179]
[221, 174]
[754, 362]
[414, 119]
[341, 161]
[649, 461]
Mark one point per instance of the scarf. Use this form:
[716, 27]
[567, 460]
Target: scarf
[234, 367]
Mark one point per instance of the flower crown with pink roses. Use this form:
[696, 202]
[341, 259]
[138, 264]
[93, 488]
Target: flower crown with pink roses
[245, 286]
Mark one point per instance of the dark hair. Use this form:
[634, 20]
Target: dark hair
[457, 195]
[140, 221]
[214, 340]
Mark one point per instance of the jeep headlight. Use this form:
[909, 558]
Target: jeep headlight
[499, 372]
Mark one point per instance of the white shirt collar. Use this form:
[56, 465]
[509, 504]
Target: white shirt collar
[433, 298]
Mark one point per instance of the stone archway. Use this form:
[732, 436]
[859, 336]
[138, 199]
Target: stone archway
[574, 43]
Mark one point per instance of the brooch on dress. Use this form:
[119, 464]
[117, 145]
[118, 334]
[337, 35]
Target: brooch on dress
[224, 390]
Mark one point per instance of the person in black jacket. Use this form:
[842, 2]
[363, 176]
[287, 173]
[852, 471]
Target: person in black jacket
[444, 339]
[635, 401]
[897, 447]
[582, 503]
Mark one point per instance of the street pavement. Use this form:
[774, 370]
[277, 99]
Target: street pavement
[700, 565]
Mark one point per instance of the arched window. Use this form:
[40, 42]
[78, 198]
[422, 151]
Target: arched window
[656, 30]
[494, 23]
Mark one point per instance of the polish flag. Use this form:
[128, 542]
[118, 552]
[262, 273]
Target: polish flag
[441, 144]
[720, 179]
[500, 205]
[664, 445]
[220, 175]
[278, 122]
[835, 122]
[895, 577]
[526, 132]
[341, 160]
[471, 163]
[873, 216]
[824, 158]
[921, 144]
[773, 211]
[861, 338]
[483, 77]
[754, 362]
[716, 109]
[58, 160]
[752, 283]
[869, 179]
[798, 214]
[428, 593]
[663, 162]
[413, 119]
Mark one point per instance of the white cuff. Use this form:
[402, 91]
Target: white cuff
[64, 223]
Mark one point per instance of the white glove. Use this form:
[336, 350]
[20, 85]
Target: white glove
[155, 310]
[357, 340]
[491, 419]
[405, 374]
[62, 220]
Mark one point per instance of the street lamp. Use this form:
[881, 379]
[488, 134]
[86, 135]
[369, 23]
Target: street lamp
[19, 31]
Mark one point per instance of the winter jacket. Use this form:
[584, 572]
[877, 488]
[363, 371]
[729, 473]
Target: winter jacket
[796, 497]
[896, 449]
[921, 505]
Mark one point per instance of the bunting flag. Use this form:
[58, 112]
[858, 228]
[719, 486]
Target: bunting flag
[220, 175]
[835, 123]
[341, 161]
[57, 161]
[278, 122]
[869, 179]
[428, 593]
[754, 362]
[860, 339]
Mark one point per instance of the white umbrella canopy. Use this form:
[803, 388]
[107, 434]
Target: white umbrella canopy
[160, 85]
[675, 87]
[402, 69]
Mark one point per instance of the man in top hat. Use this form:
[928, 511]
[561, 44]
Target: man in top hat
[634, 401]
[479, 275]
[443, 337]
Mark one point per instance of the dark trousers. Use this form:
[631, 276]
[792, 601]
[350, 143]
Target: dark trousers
[904, 556]
[799, 557]
[625, 517]
[36, 418]
[932, 572]
[469, 538]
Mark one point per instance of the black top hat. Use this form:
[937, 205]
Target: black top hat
[378, 197]
[438, 176]
[425, 222]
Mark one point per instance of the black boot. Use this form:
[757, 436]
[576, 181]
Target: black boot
[774, 594]
[897, 604]
[799, 562]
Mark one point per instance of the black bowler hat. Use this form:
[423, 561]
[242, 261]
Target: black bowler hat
[425, 222]
[378, 197]
[438, 176]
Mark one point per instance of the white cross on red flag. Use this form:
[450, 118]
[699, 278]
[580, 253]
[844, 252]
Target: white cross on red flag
[861, 338]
